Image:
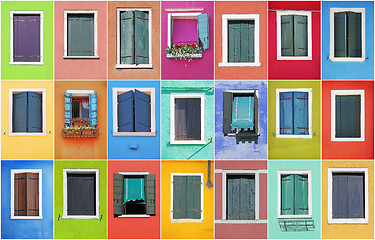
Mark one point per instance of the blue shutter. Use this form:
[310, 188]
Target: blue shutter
[301, 194]
[203, 32]
[34, 112]
[142, 103]
[286, 113]
[356, 196]
[93, 105]
[125, 112]
[19, 123]
[339, 196]
[68, 108]
[301, 113]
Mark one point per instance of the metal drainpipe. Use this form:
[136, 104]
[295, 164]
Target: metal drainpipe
[209, 183]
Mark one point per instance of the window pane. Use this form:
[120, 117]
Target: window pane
[81, 191]
[241, 41]
[80, 34]
[134, 194]
[243, 113]
[348, 116]
[188, 119]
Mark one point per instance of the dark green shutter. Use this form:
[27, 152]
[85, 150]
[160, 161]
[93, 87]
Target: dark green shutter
[193, 189]
[301, 206]
[340, 34]
[118, 194]
[227, 112]
[150, 194]
[240, 197]
[141, 40]
[287, 194]
[300, 35]
[179, 197]
[287, 44]
[34, 112]
[234, 41]
[250, 44]
[127, 37]
[354, 34]
[348, 116]
[256, 113]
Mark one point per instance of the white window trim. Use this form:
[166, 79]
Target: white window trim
[16, 171]
[301, 172]
[44, 111]
[118, 39]
[151, 93]
[174, 96]
[309, 35]
[278, 91]
[80, 93]
[95, 32]
[225, 19]
[171, 211]
[65, 192]
[334, 93]
[332, 35]
[348, 220]
[12, 13]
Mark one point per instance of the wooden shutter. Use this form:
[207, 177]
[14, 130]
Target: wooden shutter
[150, 193]
[118, 194]
[193, 119]
[301, 195]
[19, 118]
[20, 208]
[93, 109]
[193, 189]
[248, 41]
[179, 197]
[301, 113]
[339, 195]
[80, 34]
[81, 194]
[256, 113]
[287, 194]
[340, 34]
[141, 40]
[300, 35]
[33, 38]
[34, 112]
[125, 112]
[240, 197]
[68, 108]
[356, 203]
[32, 185]
[127, 37]
[241, 41]
[286, 113]
[142, 108]
[348, 116]
[354, 34]
[227, 112]
[234, 41]
[180, 118]
[203, 31]
[287, 43]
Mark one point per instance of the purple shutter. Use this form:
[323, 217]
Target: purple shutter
[33, 38]
[19, 38]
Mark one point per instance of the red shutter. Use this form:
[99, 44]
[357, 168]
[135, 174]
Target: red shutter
[32, 194]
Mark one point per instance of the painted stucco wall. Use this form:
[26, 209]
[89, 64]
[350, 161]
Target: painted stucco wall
[274, 231]
[347, 231]
[81, 68]
[119, 146]
[132, 228]
[133, 74]
[80, 228]
[184, 151]
[184, 69]
[33, 147]
[226, 147]
[353, 149]
[294, 69]
[348, 70]
[27, 228]
[250, 7]
[256, 230]
[22, 72]
[184, 230]
[294, 148]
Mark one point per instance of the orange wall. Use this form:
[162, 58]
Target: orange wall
[81, 148]
[260, 8]
[134, 74]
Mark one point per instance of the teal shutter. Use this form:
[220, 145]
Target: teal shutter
[227, 112]
[256, 113]
[80, 35]
[93, 104]
[241, 41]
[340, 34]
[193, 197]
[203, 31]
[141, 40]
[68, 108]
[348, 116]
[127, 37]
[19, 118]
[286, 113]
[34, 112]
[248, 42]
[300, 35]
[301, 113]
[301, 195]
[150, 194]
[287, 194]
[287, 30]
[354, 34]
[179, 197]
[234, 41]
[125, 112]
[118, 194]
[142, 108]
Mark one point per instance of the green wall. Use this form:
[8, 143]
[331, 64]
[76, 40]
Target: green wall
[274, 231]
[80, 228]
[294, 148]
[179, 151]
[27, 72]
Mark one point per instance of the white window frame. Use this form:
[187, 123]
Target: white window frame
[332, 35]
[278, 91]
[66, 32]
[65, 192]
[335, 93]
[148, 91]
[174, 96]
[42, 91]
[301, 172]
[348, 220]
[225, 19]
[118, 39]
[12, 13]
[309, 35]
[16, 171]
[171, 211]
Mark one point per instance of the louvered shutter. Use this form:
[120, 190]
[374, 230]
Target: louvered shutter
[127, 37]
[234, 41]
[340, 34]
[20, 208]
[142, 103]
[193, 197]
[141, 40]
[125, 112]
[80, 35]
[287, 30]
[33, 38]
[179, 197]
[356, 201]
[287, 194]
[81, 194]
[150, 193]
[118, 194]
[354, 34]
[248, 41]
[32, 194]
[227, 112]
[301, 113]
[300, 35]
[19, 118]
[286, 113]
[348, 115]
[203, 31]
[34, 112]
[301, 195]
[93, 109]
[68, 108]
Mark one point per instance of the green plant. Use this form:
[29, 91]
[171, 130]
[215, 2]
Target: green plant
[184, 51]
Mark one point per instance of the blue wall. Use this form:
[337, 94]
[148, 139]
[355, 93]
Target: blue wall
[226, 147]
[348, 70]
[119, 146]
[24, 228]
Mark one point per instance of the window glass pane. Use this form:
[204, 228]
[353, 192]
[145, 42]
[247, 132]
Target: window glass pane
[241, 41]
[188, 119]
[348, 116]
[185, 31]
[81, 192]
[80, 34]
[243, 112]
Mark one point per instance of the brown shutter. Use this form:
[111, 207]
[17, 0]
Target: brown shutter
[32, 185]
[20, 194]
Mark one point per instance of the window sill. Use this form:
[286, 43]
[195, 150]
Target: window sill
[362, 139]
[27, 134]
[26, 217]
[135, 134]
[293, 216]
[81, 57]
[293, 136]
[346, 59]
[348, 221]
[136, 66]
[240, 221]
[187, 142]
[134, 216]
[26, 63]
[79, 217]
[294, 58]
[186, 220]
[239, 64]
[185, 57]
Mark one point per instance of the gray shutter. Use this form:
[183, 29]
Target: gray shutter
[179, 197]
[118, 194]
[354, 34]
[193, 197]
[300, 36]
[340, 34]
[356, 194]
[127, 37]
[339, 196]
[287, 44]
[141, 38]
[227, 112]
[150, 194]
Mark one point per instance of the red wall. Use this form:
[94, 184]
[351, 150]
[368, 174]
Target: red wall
[133, 227]
[293, 69]
[348, 150]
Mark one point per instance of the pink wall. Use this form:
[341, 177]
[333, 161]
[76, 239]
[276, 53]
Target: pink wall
[183, 69]
[94, 69]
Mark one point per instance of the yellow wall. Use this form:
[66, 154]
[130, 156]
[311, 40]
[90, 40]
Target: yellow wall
[346, 231]
[26, 147]
[185, 230]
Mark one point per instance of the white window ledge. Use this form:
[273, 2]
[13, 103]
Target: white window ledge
[292, 136]
[26, 63]
[27, 134]
[186, 220]
[347, 59]
[294, 216]
[347, 221]
[239, 64]
[81, 57]
[26, 217]
[293, 58]
[189, 56]
[177, 142]
[79, 217]
[134, 216]
[134, 66]
[240, 221]
[135, 134]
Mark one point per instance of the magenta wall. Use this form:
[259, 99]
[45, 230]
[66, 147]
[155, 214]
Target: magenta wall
[183, 69]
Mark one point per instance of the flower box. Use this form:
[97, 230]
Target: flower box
[80, 132]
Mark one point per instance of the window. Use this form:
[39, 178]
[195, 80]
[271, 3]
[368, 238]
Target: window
[81, 104]
[133, 194]
[294, 40]
[134, 112]
[81, 193]
[347, 111]
[80, 34]
[347, 34]
[348, 195]
[240, 40]
[294, 113]
[26, 194]
[134, 38]
[187, 118]
[27, 112]
[187, 197]
[26, 37]
[294, 194]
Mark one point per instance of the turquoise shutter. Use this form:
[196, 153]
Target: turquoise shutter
[234, 41]
[93, 104]
[127, 37]
[287, 44]
[203, 31]
[125, 112]
[340, 34]
[150, 194]
[348, 116]
[287, 194]
[354, 34]
[179, 197]
[301, 113]
[141, 39]
[286, 113]
[300, 35]
[193, 197]
[118, 194]
[227, 112]
[301, 195]
[80, 35]
[68, 108]
[142, 103]
[19, 118]
[34, 112]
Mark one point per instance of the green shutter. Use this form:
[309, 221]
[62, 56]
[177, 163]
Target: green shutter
[179, 197]
[348, 116]
[340, 34]
[127, 37]
[234, 41]
[300, 35]
[287, 43]
[354, 34]
[241, 41]
[141, 41]
[301, 194]
[193, 197]
[287, 194]
[251, 41]
[227, 112]
[256, 113]
[150, 194]
[118, 194]
[80, 35]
